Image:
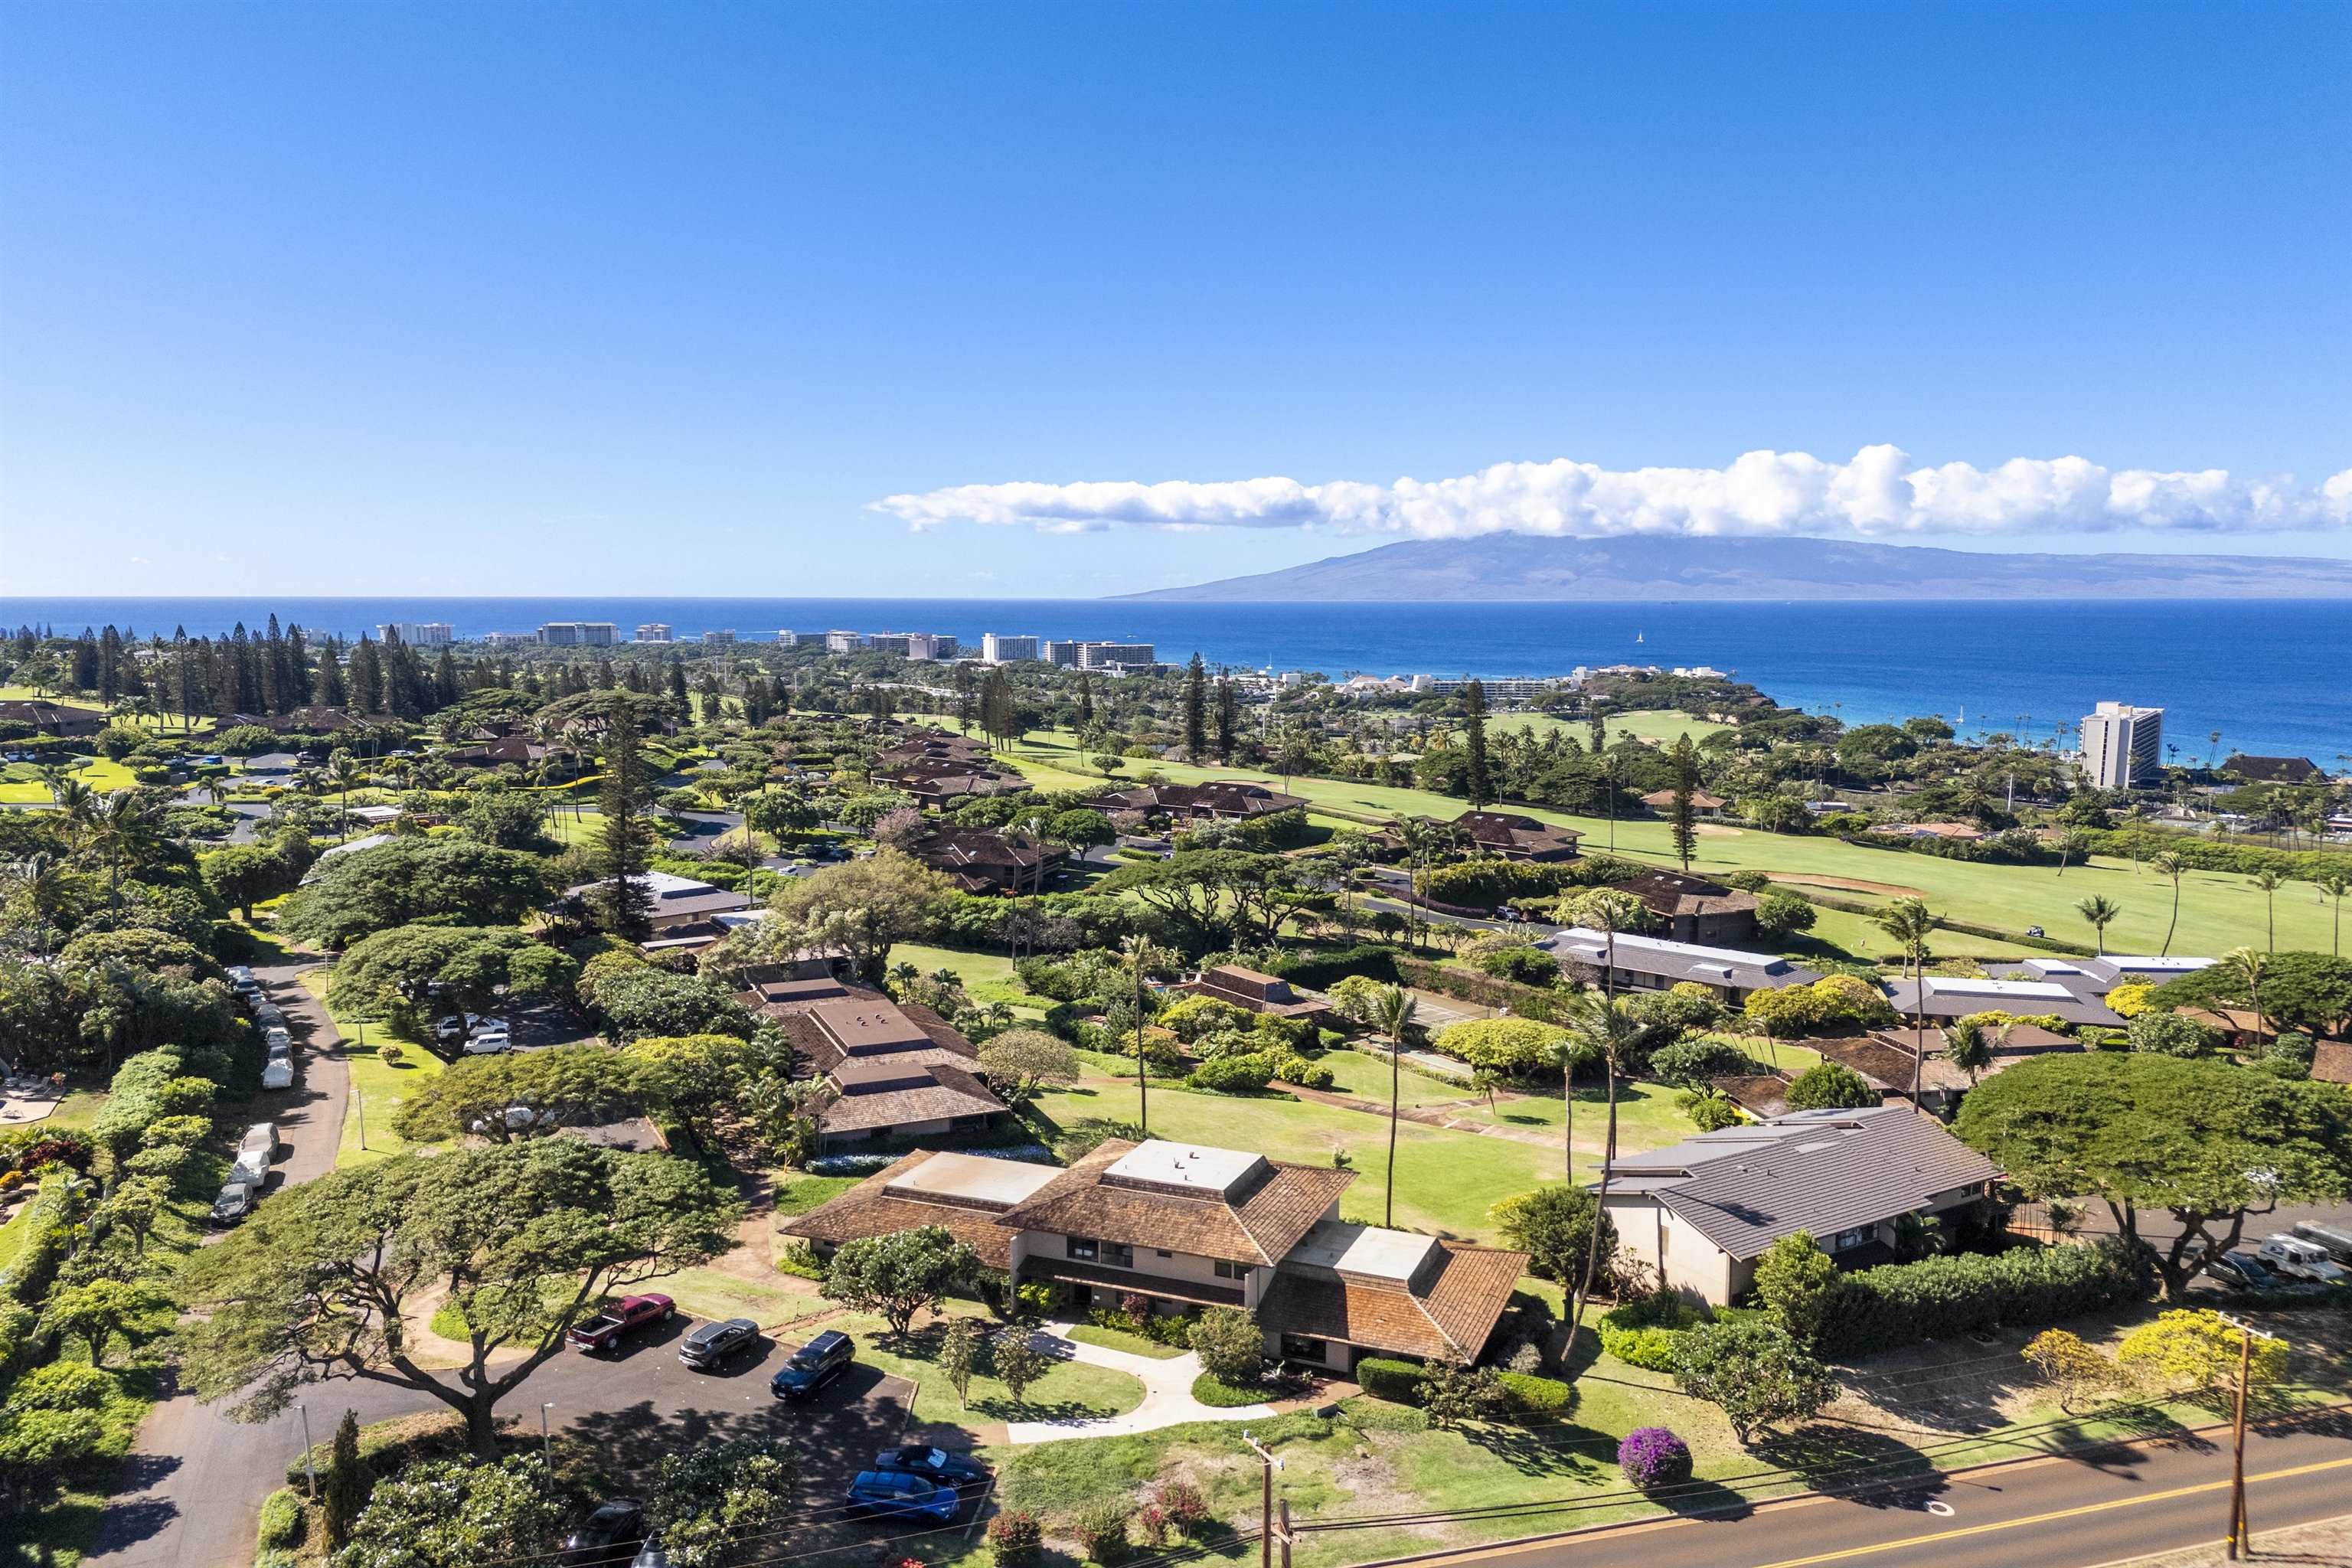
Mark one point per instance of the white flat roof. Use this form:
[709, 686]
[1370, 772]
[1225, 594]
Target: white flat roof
[2146, 963]
[1943, 985]
[1185, 1164]
[1366, 1250]
[975, 1177]
[1628, 941]
[660, 884]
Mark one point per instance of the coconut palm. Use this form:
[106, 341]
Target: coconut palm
[1393, 1010]
[2170, 866]
[345, 770]
[1908, 921]
[1968, 1046]
[122, 823]
[2102, 912]
[1605, 1029]
[2336, 884]
[2249, 967]
[2270, 881]
[1140, 956]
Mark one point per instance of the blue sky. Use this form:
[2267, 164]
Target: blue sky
[517, 298]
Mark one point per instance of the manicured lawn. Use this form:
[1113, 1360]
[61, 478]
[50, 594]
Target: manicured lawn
[796, 1194]
[1660, 725]
[20, 785]
[1366, 1077]
[2218, 910]
[1071, 1389]
[378, 1086]
[713, 1293]
[77, 1111]
[987, 977]
[1121, 1340]
[1448, 1182]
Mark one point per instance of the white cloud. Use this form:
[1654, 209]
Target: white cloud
[1877, 494]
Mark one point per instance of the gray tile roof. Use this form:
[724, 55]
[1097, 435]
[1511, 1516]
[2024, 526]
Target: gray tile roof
[1679, 961]
[1939, 996]
[1820, 1171]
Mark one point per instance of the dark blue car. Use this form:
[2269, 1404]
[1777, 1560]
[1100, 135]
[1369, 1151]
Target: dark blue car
[897, 1495]
[936, 1465]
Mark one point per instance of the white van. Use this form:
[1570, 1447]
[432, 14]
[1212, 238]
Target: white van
[252, 1167]
[2300, 1260]
[262, 1138]
[278, 1074]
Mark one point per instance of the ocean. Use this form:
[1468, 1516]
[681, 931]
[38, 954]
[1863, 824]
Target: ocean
[2272, 677]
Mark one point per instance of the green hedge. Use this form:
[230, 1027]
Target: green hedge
[2200, 853]
[1544, 1006]
[1899, 1304]
[1541, 1397]
[1317, 969]
[281, 1520]
[1386, 1377]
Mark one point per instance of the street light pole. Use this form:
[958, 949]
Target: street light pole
[546, 1443]
[359, 1091]
[308, 1465]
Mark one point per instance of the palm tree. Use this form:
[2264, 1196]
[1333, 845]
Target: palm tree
[345, 770]
[1393, 1010]
[1908, 921]
[2270, 881]
[1140, 955]
[2169, 865]
[902, 974]
[1966, 1047]
[2250, 967]
[1605, 1028]
[2102, 912]
[122, 823]
[41, 880]
[2336, 884]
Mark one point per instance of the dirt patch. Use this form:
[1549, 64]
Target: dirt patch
[1717, 830]
[1851, 884]
[2326, 1545]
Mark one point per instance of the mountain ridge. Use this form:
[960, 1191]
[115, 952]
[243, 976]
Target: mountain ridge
[1547, 568]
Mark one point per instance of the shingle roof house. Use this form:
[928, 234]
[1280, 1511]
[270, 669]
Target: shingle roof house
[895, 1071]
[2272, 770]
[1702, 1211]
[1695, 910]
[982, 861]
[1212, 799]
[1513, 837]
[1649, 962]
[1182, 1226]
[1948, 997]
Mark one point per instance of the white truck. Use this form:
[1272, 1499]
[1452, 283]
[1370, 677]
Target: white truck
[2300, 1260]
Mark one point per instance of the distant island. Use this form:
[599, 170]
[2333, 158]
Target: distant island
[1542, 567]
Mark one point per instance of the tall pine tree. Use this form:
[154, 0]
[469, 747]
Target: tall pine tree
[625, 849]
[1476, 780]
[1228, 719]
[1196, 711]
[1683, 817]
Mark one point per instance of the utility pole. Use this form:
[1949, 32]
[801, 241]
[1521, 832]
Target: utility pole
[308, 1465]
[1267, 1465]
[2239, 1532]
[546, 1443]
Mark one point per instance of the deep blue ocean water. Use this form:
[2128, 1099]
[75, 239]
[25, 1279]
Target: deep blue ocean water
[2272, 675]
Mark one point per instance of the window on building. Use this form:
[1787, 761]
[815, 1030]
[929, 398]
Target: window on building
[1119, 1253]
[1298, 1347]
[1232, 1270]
[1082, 1248]
[1846, 1238]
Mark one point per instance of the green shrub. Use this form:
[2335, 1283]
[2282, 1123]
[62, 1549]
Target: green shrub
[1540, 1398]
[1100, 1529]
[62, 1386]
[1292, 1067]
[1528, 965]
[1509, 1046]
[1243, 1074]
[1693, 1063]
[1016, 1538]
[1650, 1348]
[281, 1520]
[1319, 970]
[1212, 1389]
[1386, 1377]
[1898, 1304]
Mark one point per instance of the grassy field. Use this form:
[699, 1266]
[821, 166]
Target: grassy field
[1658, 725]
[987, 977]
[378, 1086]
[1447, 1179]
[21, 786]
[2218, 910]
[1071, 1389]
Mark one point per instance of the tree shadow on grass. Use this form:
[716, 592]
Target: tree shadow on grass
[1873, 1468]
[1565, 1450]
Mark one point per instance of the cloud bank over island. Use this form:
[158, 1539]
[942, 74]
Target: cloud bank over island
[1880, 494]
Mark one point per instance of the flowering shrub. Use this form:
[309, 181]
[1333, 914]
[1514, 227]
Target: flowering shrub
[1652, 1456]
[1016, 1538]
[1182, 1505]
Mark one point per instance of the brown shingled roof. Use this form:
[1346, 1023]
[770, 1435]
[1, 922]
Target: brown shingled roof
[1262, 1227]
[894, 1097]
[1448, 1316]
[869, 1209]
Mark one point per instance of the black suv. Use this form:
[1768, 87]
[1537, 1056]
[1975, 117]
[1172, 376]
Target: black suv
[814, 1365]
[608, 1538]
[714, 1343]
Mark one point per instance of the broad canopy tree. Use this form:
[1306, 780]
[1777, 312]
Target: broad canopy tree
[523, 1239]
[868, 906]
[446, 881]
[2207, 1142]
[458, 966]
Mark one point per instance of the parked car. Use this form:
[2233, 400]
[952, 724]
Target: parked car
[2334, 1239]
[607, 1329]
[608, 1537]
[449, 1031]
[897, 1495]
[488, 1043]
[278, 1041]
[2241, 1270]
[714, 1345]
[235, 1200]
[934, 1465]
[279, 1073]
[814, 1365]
[239, 974]
[2300, 1260]
[251, 1166]
[262, 1138]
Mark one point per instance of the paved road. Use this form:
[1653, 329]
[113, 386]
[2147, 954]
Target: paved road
[193, 1486]
[2116, 1502]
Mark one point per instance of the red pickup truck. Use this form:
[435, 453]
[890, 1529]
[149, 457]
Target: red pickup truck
[605, 1331]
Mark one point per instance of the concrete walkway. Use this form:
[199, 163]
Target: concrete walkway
[1167, 1393]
